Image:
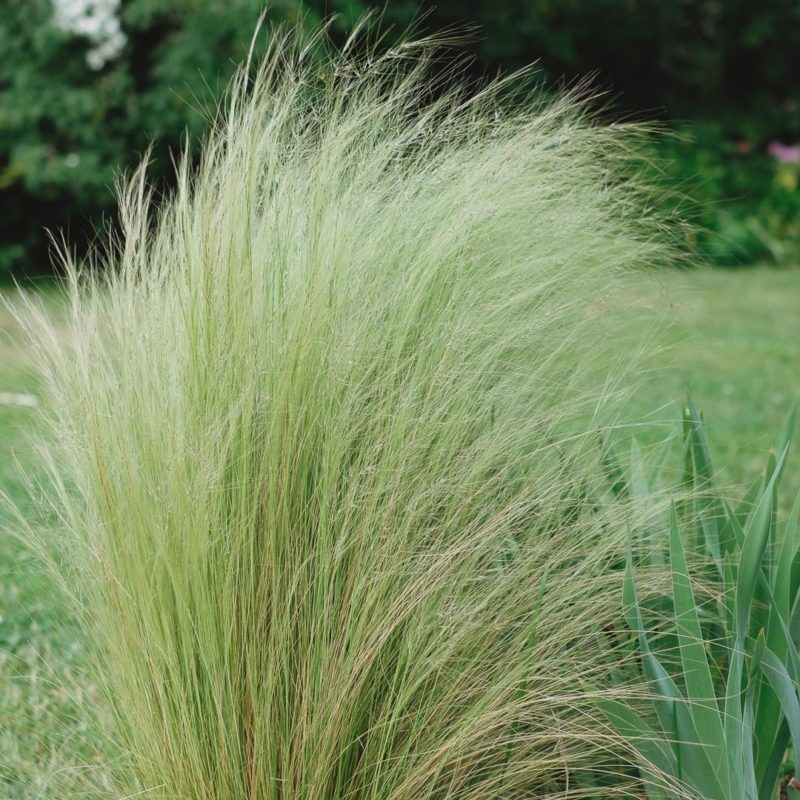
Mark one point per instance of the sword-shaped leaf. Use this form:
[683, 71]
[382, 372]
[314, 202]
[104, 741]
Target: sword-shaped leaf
[700, 691]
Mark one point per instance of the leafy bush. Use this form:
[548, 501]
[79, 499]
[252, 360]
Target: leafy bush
[76, 107]
[744, 203]
[68, 124]
[317, 439]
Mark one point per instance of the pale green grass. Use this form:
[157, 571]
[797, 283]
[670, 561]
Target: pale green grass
[317, 444]
[734, 336]
[323, 488]
[733, 340]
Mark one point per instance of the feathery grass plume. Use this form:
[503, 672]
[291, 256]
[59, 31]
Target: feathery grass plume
[318, 438]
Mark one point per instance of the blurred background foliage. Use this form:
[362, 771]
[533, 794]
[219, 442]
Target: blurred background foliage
[87, 85]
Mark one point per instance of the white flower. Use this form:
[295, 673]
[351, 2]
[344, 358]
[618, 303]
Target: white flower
[98, 21]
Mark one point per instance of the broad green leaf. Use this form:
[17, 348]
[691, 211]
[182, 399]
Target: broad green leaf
[786, 691]
[784, 438]
[654, 749]
[767, 727]
[745, 507]
[772, 768]
[756, 535]
[782, 579]
[749, 780]
[792, 661]
[716, 534]
[700, 452]
[693, 761]
[653, 669]
[735, 523]
[697, 674]
[768, 778]
[768, 719]
[613, 470]
[734, 716]
[794, 617]
[758, 651]
[725, 603]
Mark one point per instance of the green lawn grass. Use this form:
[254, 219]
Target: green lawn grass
[733, 340]
[48, 748]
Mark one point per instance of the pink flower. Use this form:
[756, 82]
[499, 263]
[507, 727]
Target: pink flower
[785, 153]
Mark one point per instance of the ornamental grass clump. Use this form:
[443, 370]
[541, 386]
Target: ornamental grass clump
[321, 438]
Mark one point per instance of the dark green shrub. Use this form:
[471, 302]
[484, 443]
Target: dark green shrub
[66, 128]
[743, 200]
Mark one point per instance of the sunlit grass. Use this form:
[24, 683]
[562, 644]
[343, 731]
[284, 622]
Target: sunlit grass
[320, 443]
[47, 741]
[317, 451]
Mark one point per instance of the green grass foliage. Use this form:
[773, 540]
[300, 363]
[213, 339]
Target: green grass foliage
[720, 722]
[318, 446]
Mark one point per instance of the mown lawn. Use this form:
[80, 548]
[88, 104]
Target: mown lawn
[733, 340]
[47, 744]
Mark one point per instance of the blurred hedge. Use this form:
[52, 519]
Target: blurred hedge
[71, 114]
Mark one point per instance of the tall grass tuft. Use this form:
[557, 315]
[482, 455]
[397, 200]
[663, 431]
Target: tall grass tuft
[320, 438]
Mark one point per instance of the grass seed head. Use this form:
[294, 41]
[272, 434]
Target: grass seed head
[318, 439]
